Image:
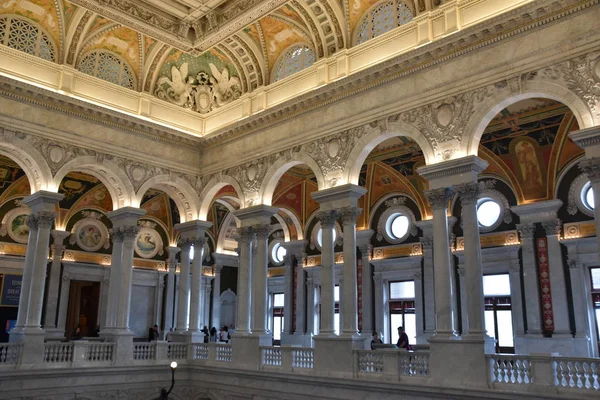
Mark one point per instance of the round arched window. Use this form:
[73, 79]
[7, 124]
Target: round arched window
[397, 226]
[278, 253]
[488, 212]
[293, 60]
[587, 196]
[320, 236]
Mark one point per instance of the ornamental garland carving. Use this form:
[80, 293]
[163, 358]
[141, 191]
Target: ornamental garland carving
[582, 76]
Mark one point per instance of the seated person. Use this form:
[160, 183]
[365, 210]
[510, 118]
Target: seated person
[376, 340]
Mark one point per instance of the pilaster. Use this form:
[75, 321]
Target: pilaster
[363, 240]
[52, 298]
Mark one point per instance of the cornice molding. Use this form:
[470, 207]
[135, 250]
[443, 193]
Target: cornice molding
[453, 46]
[36, 96]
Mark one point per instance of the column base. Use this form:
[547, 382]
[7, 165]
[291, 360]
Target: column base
[33, 346]
[456, 361]
[55, 334]
[564, 345]
[246, 349]
[334, 355]
[124, 344]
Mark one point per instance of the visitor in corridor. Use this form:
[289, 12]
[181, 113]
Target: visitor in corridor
[76, 335]
[213, 334]
[205, 331]
[403, 339]
[153, 334]
[376, 340]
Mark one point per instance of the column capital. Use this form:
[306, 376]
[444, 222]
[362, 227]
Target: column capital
[244, 234]
[184, 244]
[339, 197]
[130, 232]
[426, 242]
[172, 252]
[453, 172]
[591, 167]
[193, 229]
[199, 242]
[537, 212]
[363, 237]
[295, 247]
[262, 231]
[552, 227]
[438, 198]
[116, 235]
[349, 214]
[588, 139]
[42, 201]
[327, 218]
[469, 192]
[41, 219]
[366, 249]
[256, 215]
[125, 216]
[59, 236]
[527, 231]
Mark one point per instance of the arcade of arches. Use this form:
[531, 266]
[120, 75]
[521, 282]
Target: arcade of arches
[300, 175]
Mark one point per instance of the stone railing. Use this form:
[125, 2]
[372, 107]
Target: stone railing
[200, 351]
[368, 362]
[99, 352]
[286, 358]
[223, 352]
[270, 356]
[144, 351]
[177, 351]
[390, 364]
[544, 371]
[303, 358]
[58, 353]
[10, 354]
[414, 363]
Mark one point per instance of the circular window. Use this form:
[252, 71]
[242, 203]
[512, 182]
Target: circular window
[278, 253]
[587, 196]
[320, 237]
[488, 212]
[398, 225]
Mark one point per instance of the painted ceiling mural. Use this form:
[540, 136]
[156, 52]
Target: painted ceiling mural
[204, 66]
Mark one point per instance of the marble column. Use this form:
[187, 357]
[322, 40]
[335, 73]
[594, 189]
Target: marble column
[558, 285]
[469, 194]
[288, 283]
[378, 284]
[129, 236]
[259, 277]
[349, 290]
[40, 220]
[301, 293]
[327, 219]
[112, 303]
[584, 320]
[183, 287]
[418, 277]
[311, 306]
[428, 278]
[244, 278]
[196, 291]
[158, 302]
[516, 298]
[443, 271]
[52, 298]
[367, 289]
[216, 297]
[65, 288]
[171, 263]
[530, 280]
[463, 317]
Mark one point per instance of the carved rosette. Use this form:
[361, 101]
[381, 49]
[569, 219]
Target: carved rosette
[349, 214]
[591, 167]
[526, 231]
[468, 192]
[327, 218]
[438, 198]
[552, 227]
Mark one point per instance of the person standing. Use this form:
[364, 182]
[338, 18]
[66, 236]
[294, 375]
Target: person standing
[153, 334]
[402, 339]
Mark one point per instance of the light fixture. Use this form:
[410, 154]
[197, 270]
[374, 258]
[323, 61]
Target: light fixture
[164, 393]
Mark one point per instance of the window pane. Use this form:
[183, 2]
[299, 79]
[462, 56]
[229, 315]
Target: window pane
[277, 324]
[402, 290]
[589, 198]
[505, 329]
[595, 278]
[191, 252]
[490, 326]
[278, 300]
[496, 285]
[598, 323]
[410, 327]
[400, 225]
[336, 294]
[395, 322]
[336, 323]
[488, 213]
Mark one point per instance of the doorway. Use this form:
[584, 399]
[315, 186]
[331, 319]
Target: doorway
[84, 301]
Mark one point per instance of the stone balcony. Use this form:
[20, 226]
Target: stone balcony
[76, 367]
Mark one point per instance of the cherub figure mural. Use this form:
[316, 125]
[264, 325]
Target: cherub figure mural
[202, 93]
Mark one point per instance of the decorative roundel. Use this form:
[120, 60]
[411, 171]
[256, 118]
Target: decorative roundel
[90, 234]
[398, 225]
[148, 243]
[278, 253]
[489, 212]
[14, 224]
[581, 196]
[397, 222]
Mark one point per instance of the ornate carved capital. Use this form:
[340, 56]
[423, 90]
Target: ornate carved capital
[185, 244]
[591, 167]
[468, 192]
[245, 235]
[262, 231]
[552, 227]
[130, 232]
[198, 242]
[366, 250]
[287, 260]
[117, 235]
[349, 214]
[526, 230]
[327, 218]
[426, 242]
[438, 198]
[42, 219]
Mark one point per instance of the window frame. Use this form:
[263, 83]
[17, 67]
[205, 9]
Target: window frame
[123, 66]
[284, 54]
[41, 34]
[368, 15]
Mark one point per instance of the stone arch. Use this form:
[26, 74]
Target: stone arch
[182, 193]
[116, 181]
[31, 161]
[277, 170]
[488, 109]
[294, 218]
[374, 137]
[212, 188]
[223, 231]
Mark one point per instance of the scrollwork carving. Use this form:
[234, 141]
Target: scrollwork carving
[349, 214]
[327, 218]
[526, 231]
[552, 227]
[438, 198]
